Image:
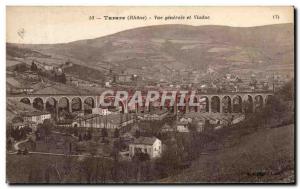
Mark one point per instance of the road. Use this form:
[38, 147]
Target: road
[16, 146]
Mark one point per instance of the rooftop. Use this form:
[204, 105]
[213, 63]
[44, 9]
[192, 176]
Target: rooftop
[112, 118]
[145, 140]
[34, 113]
[88, 116]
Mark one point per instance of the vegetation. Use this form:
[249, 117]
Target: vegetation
[20, 134]
[21, 68]
[258, 149]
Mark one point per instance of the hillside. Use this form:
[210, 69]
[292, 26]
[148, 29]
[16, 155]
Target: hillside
[259, 149]
[263, 156]
[159, 49]
[14, 107]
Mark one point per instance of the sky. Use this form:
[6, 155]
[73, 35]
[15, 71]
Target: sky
[61, 24]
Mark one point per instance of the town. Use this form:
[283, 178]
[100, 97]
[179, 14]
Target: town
[150, 104]
[76, 125]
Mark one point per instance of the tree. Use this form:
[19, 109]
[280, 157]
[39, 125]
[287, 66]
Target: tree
[63, 78]
[32, 144]
[33, 66]
[85, 136]
[47, 126]
[75, 130]
[88, 136]
[25, 151]
[287, 91]
[104, 132]
[92, 148]
[9, 144]
[116, 133]
[141, 156]
[169, 161]
[88, 169]
[137, 134]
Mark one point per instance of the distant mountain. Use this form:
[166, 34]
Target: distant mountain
[166, 47]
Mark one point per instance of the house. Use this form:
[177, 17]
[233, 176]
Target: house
[36, 116]
[101, 111]
[150, 145]
[107, 84]
[123, 78]
[200, 123]
[48, 67]
[183, 128]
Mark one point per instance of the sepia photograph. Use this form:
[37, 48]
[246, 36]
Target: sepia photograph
[150, 95]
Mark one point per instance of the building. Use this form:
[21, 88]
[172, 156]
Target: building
[150, 145]
[36, 116]
[79, 82]
[200, 126]
[111, 121]
[166, 128]
[43, 66]
[48, 67]
[88, 121]
[155, 115]
[123, 78]
[78, 113]
[182, 128]
[64, 123]
[107, 84]
[101, 111]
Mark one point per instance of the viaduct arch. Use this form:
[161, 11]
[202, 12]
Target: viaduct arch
[211, 103]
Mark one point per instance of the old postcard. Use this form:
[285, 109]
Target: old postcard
[157, 95]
